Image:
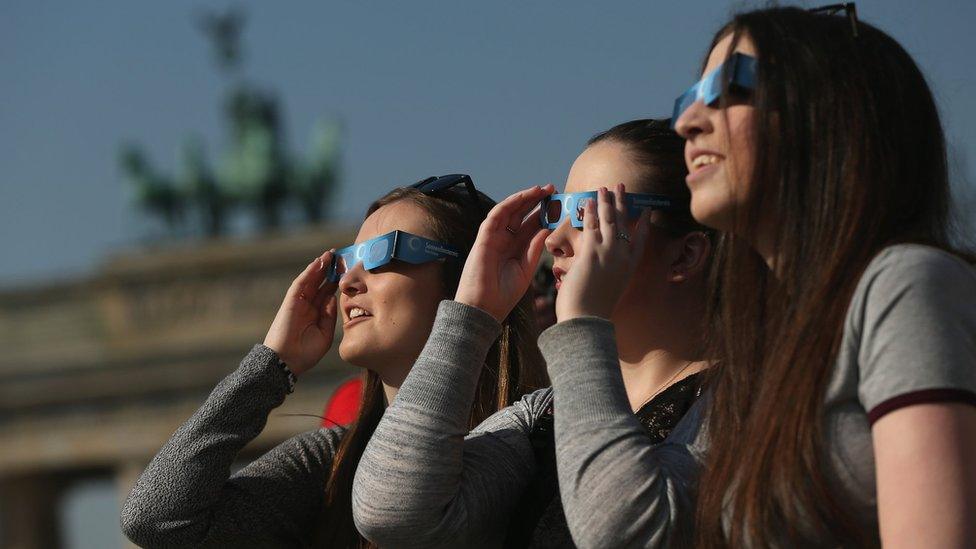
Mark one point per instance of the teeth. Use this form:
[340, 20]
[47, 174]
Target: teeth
[356, 312]
[704, 160]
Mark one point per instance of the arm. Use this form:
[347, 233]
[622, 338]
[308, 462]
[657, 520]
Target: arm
[924, 456]
[916, 313]
[186, 496]
[617, 488]
[421, 482]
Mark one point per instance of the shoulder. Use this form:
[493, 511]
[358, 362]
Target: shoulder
[905, 265]
[911, 326]
[917, 277]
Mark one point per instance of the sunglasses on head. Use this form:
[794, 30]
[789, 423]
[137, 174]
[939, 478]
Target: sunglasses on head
[435, 184]
[556, 207]
[379, 251]
[740, 72]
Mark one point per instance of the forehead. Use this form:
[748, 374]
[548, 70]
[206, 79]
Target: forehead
[402, 215]
[603, 164]
[721, 51]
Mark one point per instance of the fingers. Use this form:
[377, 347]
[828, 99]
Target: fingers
[324, 288]
[511, 211]
[641, 232]
[591, 221]
[534, 251]
[620, 207]
[606, 213]
[529, 227]
[307, 285]
[329, 309]
[530, 204]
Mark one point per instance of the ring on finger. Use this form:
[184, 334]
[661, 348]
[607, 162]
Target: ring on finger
[509, 229]
[623, 236]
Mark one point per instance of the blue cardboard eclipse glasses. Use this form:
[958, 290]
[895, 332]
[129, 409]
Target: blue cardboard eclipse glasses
[741, 71]
[554, 208]
[380, 250]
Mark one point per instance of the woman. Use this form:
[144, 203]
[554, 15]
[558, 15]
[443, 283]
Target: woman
[424, 480]
[299, 492]
[841, 410]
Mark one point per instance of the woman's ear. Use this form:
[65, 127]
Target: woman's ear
[694, 249]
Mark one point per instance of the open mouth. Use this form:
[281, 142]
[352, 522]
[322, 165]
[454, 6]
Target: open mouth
[357, 314]
[704, 160]
[558, 273]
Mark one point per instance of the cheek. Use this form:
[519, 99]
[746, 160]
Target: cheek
[742, 145]
[409, 310]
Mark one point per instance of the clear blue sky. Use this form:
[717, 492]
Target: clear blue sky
[505, 91]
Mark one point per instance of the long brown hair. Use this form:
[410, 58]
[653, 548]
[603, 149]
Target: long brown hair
[850, 156]
[513, 367]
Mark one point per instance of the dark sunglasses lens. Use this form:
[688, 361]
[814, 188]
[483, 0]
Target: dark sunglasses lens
[554, 210]
[342, 265]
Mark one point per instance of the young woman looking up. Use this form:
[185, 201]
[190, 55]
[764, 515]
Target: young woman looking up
[844, 409]
[425, 480]
[298, 494]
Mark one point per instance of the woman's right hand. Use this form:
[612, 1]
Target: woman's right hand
[503, 258]
[304, 327]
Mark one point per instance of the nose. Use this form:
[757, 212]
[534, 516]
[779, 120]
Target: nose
[559, 241]
[353, 282]
[694, 121]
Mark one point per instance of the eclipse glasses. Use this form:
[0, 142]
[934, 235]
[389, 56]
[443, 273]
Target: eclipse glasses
[739, 69]
[556, 207]
[379, 251]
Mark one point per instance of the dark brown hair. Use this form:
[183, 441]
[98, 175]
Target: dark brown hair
[849, 155]
[513, 367]
[660, 153]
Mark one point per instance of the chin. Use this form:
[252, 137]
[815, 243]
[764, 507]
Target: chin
[710, 210]
[356, 353]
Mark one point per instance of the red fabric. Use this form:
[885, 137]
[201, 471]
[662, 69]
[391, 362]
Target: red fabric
[343, 405]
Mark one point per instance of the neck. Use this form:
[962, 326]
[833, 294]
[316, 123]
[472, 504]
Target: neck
[656, 353]
[392, 375]
[389, 392]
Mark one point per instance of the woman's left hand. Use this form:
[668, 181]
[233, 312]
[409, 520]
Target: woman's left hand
[504, 257]
[605, 260]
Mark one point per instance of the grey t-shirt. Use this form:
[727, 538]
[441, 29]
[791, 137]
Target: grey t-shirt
[909, 337]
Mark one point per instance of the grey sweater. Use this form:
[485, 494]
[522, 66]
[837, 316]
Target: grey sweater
[423, 483]
[187, 497]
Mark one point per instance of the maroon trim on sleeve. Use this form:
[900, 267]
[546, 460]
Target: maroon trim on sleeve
[925, 396]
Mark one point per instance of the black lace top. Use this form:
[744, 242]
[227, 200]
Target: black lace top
[538, 521]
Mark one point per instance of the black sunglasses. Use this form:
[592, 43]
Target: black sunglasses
[434, 185]
[847, 7]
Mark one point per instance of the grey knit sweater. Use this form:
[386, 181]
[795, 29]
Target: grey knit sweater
[187, 497]
[423, 483]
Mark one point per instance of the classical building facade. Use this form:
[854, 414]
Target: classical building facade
[96, 374]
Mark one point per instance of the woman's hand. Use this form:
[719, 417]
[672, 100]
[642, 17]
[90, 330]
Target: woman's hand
[504, 256]
[304, 327]
[605, 259]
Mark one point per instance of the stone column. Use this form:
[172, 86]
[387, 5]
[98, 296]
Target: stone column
[29, 512]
